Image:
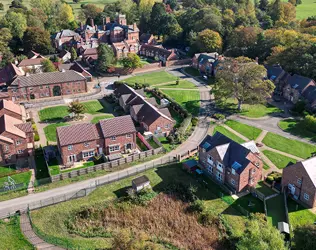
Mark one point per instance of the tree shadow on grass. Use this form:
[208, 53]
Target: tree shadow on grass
[297, 128]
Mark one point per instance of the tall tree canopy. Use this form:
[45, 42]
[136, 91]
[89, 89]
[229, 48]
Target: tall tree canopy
[105, 57]
[38, 40]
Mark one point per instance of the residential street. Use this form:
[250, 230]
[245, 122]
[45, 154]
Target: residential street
[193, 141]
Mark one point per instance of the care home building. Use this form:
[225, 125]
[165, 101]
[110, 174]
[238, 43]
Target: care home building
[81, 142]
[237, 166]
[299, 180]
[47, 85]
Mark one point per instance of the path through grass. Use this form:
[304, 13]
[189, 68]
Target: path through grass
[227, 133]
[248, 131]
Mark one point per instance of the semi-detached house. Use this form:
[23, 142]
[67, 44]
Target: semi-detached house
[237, 166]
[81, 142]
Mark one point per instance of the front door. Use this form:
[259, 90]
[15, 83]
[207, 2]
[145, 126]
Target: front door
[128, 146]
[56, 91]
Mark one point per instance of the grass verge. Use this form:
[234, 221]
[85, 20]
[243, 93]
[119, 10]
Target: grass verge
[50, 131]
[227, 133]
[248, 131]
[280, 161]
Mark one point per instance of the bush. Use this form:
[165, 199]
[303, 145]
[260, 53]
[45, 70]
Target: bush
[1, 6]
[142, 197]
[299, 107]
[36, 136]
[208, 218]
[196, 206]
[309, 123]
[218, 116]
[194, 121]
[183, 192]
[269, 179]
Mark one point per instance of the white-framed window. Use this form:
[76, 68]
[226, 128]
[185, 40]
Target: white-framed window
[20, 151]
[210, 170]
[86, 144]
[167, 126]
[232, 181]
[113, 138]
[47, 87]
[233, 171]
[306, 196]
[253, 170]
[128, 136]
[9, 157]
[18, 142]
[299, 181]
[6, 148]
[87, 154]
[114, 148]
[69, 147]
[251, 180]
[158, 128]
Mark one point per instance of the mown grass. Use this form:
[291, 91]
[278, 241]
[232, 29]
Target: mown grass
[280, 161]
[18, 178]
[299, 215]
[227, 133]
[192, 71]
[50, 131]
[152, 78]
[96, 119]
[261, 187]
[276, 210]
[7, 169]
[53, 113]
[183, 84]
[190, 100]
[248, 131]
[295, 127]
[293, 147]
[11, 236]
[94, 107]
[51, 220]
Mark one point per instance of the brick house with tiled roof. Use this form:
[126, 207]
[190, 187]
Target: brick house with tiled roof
[145, 112]
[299, 180]
[16, 137]
[158, 53]
[47, 85]
[237, 166]
[9, 73]
[81, 142]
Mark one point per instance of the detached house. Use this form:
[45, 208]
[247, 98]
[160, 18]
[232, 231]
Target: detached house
[205, 62]
[299, 180]
[296, 86]
[145, 111]
[158, 53]
[238, 166]
[81, 142]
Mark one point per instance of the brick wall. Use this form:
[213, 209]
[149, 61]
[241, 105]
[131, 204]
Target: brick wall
[120, 140]
[165, 125]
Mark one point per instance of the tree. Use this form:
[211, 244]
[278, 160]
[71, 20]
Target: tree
[91, 11]
[65, 16]
[48, 66]
[209, 41]
[5, 38]
[1, 6]
[16, 22]
[73, 53]
[132, 61]
[76, 107]
[263, 5]
[304, 237]
[38, 40]
[157, 17]
[105, 57]
[242, 79]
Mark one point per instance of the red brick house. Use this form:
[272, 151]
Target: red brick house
[81, 142]
[237, 166]
[145, 111]
[205, 62]
[9, 73]
[65, 38]
[76, 67]
[299, 180]
[158, 53]
[47, 85]
[147, 38]
[16, 137]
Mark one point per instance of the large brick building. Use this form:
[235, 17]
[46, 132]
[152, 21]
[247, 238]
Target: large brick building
[238, 166]
[299, 180]
[83, 141]
[16, 136]
[145, 111]
[47, 85]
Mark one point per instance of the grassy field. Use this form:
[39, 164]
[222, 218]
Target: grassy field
[51, 220]
[280, 161]
[248, 131]
[50, 131]
[101, 117]
[153, 78]
[229, 134]
[76, 6]
[183, 84]
[306, 9]
[297, 148]
[295, 127]
[11, 236]
[53, 113]
[190, 100]
[95, 107]
[299, 215]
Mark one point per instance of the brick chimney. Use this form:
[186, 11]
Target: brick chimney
[91, 22]
[135, 26]
[81, 26]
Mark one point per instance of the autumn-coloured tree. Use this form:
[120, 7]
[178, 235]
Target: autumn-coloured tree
[209, 41]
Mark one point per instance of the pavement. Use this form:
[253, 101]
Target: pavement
[201, 130]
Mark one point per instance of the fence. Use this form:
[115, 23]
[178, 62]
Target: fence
[107, 165]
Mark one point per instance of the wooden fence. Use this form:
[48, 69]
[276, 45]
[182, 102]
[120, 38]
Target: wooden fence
[107, 165]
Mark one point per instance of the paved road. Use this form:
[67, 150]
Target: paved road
[193, 141]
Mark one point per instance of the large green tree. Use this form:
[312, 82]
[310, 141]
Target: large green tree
[304, 237]
[209, 41]
[16, 22]
[243, 80]
[105, 57]
[48, 66]
[76, 107]
[38, 40]
[132, 61]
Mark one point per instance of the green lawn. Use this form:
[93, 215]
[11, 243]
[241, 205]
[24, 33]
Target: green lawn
[250, 203]
[152, 143]
[95, 107]
[306, 9]
[51, 220]
[84, 165]
[50, 131]
[280, 161]
[192, 71]
[53, 167]
[18, 178]
[295, 127]
[261, 187]
[141, 145]
[165, 143]
[275, 210]
[227, 133]
[96, 119]
[297, 148]
[190, 100]
[183, 84]
[11, 236]
[152, 78]
[53, 113]
[299, 215]
[42, 171]
[76, 6]
[248, 131]
[7, 169]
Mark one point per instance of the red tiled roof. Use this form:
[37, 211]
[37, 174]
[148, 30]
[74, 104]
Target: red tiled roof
[117, 126]
[78, 133]
[25, 127]
[11, 106]
[31, 62]
[8, 73]
[8, 123]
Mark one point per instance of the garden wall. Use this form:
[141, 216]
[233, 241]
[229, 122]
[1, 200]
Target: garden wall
[179, 62]
[107, 165]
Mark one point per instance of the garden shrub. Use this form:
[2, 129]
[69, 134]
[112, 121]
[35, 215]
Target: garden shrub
[142, 197]
[208, 218]
[196, 206]
[218, 116]
[269, 179]
[194, 121]
[36, 136]
[186, 193]
[299, 107]
[309, 123]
